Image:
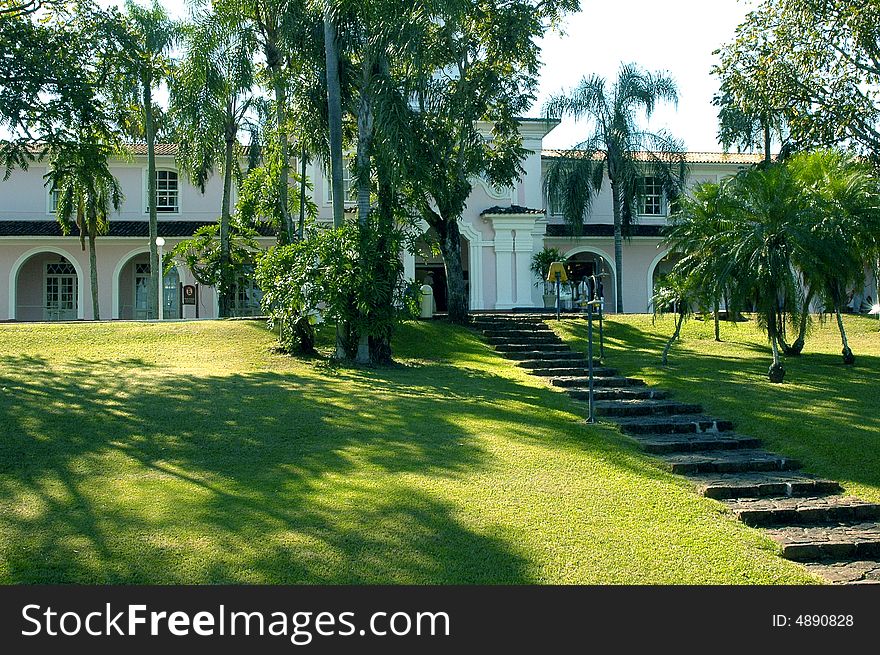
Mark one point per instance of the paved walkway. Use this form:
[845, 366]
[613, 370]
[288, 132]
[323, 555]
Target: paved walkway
[834, 535]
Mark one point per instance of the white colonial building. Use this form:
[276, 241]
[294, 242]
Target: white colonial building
[44, 275]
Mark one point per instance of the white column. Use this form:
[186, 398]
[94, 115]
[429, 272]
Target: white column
[504, 281]
[409, 265]
[525, 280]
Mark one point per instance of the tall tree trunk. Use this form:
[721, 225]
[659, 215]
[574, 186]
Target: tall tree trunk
[388, 261]
[618, 248]
[673, 338]
[155, 273]
[273, 61]
[334, 113]
[848, 357]
[777, 370]
[226, 281]
[765, 124]
[364, 148]
[303, 159]
[93, 277]
[797, 347]
[450, 248]
[717, 321]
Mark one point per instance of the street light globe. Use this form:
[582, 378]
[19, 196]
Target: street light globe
[160, 241]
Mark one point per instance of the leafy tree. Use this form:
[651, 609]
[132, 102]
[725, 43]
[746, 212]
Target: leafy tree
[87, 193]
[818, 63]
[258, 199]
[211, 94]
[331, 275]
[280, 27]
[146, 43]
[475, 72]
[617, 148]
[48, 74]
[204, 256]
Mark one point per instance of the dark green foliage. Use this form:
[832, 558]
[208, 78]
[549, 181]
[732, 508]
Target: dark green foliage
[542, 259]
[203, 255]
[341, 275]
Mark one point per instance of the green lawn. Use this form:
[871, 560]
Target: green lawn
[190, 453]
[826, 415]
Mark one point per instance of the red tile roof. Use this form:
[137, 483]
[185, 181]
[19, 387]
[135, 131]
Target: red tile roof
[738, 158]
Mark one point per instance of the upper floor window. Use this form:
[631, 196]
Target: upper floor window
[554, 204]
[348, 183]
[53, 200]
[652, 197]
[167, 192]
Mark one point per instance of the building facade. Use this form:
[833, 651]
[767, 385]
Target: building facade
[44, 276]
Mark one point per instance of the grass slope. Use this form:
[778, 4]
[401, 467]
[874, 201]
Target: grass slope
[190, 453]
[825, 414]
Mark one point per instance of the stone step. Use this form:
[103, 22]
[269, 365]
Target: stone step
[504, 324]
[625, 393]
[517, 332]
[844, 541]
[688, 442]
[672, 423]
[532, 347]
[557, 363]
[846, 573]
[642, 407]
[802, 511]
[762, 485]
[728, 461]
[598, 382]
[532, 355]
[524, 339]
[566, 371]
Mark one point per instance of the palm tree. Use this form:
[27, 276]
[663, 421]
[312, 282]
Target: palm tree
[675, 293]
[334, 115]
[87, 191]
[211, 93]
[693, 234]
[150, 34]
[617, 148]
[845, 198]
[765, 232]
[281, 27]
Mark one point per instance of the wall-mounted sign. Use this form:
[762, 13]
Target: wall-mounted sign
[189, 294]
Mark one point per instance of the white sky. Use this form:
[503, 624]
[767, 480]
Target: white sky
[675, 36]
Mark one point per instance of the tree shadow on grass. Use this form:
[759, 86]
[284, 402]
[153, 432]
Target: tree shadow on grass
[116, 471]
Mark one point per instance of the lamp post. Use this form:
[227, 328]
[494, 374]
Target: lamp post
[160, 243]
[557, 274]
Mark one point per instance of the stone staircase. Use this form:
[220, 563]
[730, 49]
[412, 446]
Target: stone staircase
[834, 535]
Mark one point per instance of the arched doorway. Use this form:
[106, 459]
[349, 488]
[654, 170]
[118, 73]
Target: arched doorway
[430, 269]
[46, 285]
[582, 263]
[133, 288]
[247, 296]
[661, 266]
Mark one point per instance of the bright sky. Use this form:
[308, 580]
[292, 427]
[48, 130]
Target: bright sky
[675, 36]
